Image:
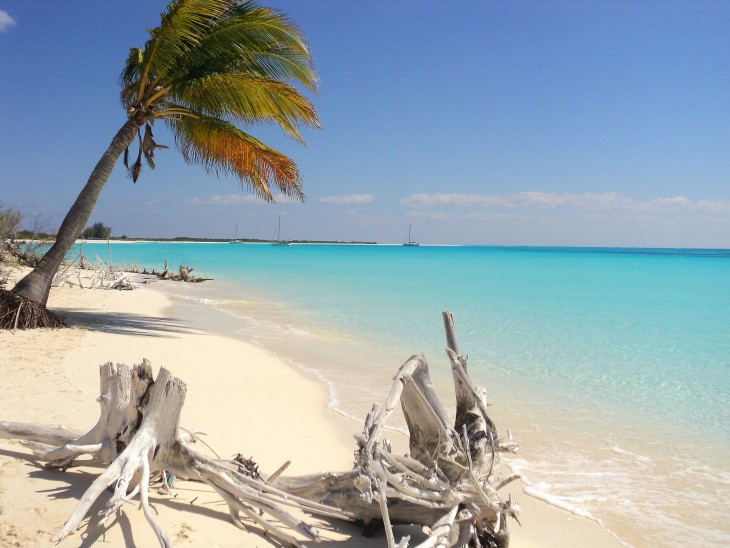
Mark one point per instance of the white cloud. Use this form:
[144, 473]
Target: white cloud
[609, 201]
[352, 199]
[6, 21]
[587, 200]
[676, 201]
[427, 200]
[228, 199]
[237, 199]
[713, 206]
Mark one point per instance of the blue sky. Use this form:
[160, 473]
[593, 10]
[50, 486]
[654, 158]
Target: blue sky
[500, 123]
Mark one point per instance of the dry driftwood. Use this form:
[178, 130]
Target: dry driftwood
[183, 276]
[449, 481]
[99, 273]
[138, 436]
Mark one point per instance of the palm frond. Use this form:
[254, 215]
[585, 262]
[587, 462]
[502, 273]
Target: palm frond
[136, 168]
[256, 40]
[183, 25]
[222, 148]
[149, 145]
[129, 78]
[247, 99]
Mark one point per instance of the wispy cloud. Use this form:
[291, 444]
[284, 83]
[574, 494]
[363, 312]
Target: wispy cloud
[610, 201]
[6, 21]
[237, 199]
[352, 199]
[714, 206]
[429, 200]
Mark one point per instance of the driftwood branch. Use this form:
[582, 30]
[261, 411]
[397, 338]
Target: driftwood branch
[104, 275]
[183, 276]
[448, 482]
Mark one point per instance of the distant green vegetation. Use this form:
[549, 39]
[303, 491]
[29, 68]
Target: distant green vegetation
[97, 231]
[32, 235]
[9, 222]
[224, 240]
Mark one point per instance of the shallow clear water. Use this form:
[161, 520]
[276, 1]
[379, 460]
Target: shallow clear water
[611, 366]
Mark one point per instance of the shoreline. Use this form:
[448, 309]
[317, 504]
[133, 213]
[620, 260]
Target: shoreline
[555, 524]
[51, 377]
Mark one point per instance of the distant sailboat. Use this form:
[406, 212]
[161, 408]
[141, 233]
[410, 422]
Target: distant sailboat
[410, 242]
[279, 241]
[236, 240]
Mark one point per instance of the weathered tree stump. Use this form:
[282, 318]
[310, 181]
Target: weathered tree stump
[137, 436]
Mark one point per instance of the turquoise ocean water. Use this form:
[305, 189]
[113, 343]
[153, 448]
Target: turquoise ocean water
[611, 367]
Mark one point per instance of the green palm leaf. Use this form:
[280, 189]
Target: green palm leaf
[258, 41]
[248, 99]
[182, 27]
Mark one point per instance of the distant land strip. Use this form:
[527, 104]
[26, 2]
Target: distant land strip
[226, 240]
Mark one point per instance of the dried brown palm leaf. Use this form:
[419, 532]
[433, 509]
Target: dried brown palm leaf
[149, 145]
[136, 167]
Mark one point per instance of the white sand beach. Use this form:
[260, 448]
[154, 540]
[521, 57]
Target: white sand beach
[244, 399]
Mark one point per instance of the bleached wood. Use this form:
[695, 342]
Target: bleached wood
[449, 467]
[441, 531]
[449, 481]
[56, 435]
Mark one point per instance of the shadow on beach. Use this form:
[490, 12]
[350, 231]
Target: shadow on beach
[125, 323]
[73, 483]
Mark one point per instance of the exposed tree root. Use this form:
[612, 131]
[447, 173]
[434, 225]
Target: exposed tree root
[448, 482]
[17, 312]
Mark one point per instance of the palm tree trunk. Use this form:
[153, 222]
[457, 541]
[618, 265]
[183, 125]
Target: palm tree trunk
[37, 284]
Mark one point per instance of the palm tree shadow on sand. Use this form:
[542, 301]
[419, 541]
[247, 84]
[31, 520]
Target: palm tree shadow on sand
[125, 323]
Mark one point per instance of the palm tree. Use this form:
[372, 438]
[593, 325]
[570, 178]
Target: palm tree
[211, 64]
